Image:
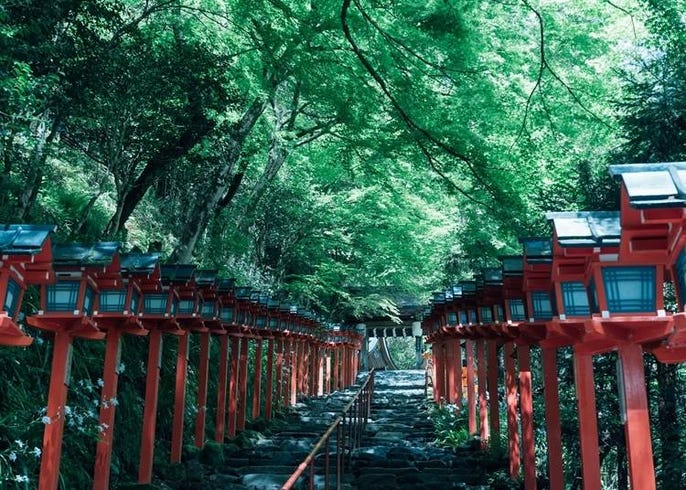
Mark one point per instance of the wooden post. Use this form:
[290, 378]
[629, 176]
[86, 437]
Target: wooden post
[552, 419]
[242, 386]
[179, 398]
[293, 382]
[512, 423]
[439, 372]
[484, 433]
[110, 377]
[471, 398]
[268, 394]
[233, 387]
[451, 369]
[588, 422]
[152, 385]
[221, 389]
[493, 391]
[57, 399]
[203, 377]
[639, 447]
[257, 381]
[526, 407]
[458, 366]
[279, 372]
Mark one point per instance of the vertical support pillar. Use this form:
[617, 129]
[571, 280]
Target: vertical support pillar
[462, 377]
[526, 407]
[484, 433]
[257, 381]
[471, 398]
[452, 368]
[268, 393]
[552, 419]
[203, 377]
[327, 371]
[110, 377]
[242, 385]
[279, 372]
[293, 383]
[57, 399]
[179, 398]
[320, 371]
[233, 387]
[588, 422]
[637, 425]
[512, 423]
[336, 367]
[493, 391]
[439, 372]
[152, 386]
[220, 418]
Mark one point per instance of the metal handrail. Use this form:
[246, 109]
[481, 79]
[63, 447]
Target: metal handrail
[349, 426]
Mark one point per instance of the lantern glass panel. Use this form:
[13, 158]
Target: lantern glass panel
[543, 307]
[593, 297]
[486, 314]
[261, 321]
[62, 296]
[629, 289]
[273, 323]
[517, 312]
[135, 301]
[226, 313]
[680, 269]
[208, 308]
[112, 300]
[501, 314]
[463, 317]
[187, 306]
[89, 300]
[452, 318]
[472, 316]
[12, 297]
[575, 299]
[155, 303]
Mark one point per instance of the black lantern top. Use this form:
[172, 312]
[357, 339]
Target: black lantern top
[654, 185]
[587, 228]
[139, 263]
[513, 265]
[24, 239]
[177, 273]
[537, 250]
[77, 254]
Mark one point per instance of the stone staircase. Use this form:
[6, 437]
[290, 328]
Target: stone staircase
[398, 450]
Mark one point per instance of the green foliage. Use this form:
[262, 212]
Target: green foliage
[449, 425]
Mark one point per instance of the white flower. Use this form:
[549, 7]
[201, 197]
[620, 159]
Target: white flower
[19, 443]
[38, 340]
[37, 452]
[13, 456]
[100, 382]
[21, 478]
[114, 402]
[46, 420]
[67, 410]
[121, 368]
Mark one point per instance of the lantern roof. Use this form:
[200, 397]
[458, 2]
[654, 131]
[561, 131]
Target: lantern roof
[177, 273]
[512, 265]
[22, 239]
[139, 263]
[98, 254]
[587, 228]
[243, 292]
[493, 276]
[224, 285]
[653, 184]
[468, 288]
[537, 249]
[205, 277]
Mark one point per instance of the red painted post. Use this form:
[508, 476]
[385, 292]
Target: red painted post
[512, 422]
[526, 406]
[588, 422]
[279, 372]
[484, 433]
[493, 391]
[293, 382]
[152, 385]
[268, 394]
[203, 377]
[552, 419]
[451, 368]
[320, 372]
[637, 420]
[179, 398]
[471, 399]
[220, 417]
[327, 371]
[242, 386]
[57, 399]
[233, 387]
[110, 377]
[257, 381]
[458, 366]
[439, 372]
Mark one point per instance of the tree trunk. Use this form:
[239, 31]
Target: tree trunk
[206, 204]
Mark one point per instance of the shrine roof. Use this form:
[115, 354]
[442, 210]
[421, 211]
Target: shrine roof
[177, 273]
[587, 228]
[23, 239]
[537, 249]
[651, 185]
[97, 254]
[224, 285]
[205, 277]
[512, 265]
